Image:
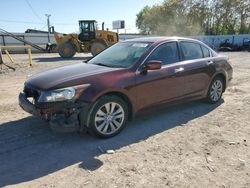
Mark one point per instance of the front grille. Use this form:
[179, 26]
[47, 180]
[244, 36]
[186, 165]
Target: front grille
[51, 105]
[57, 105]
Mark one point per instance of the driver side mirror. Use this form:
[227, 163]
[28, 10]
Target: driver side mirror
[153, 65]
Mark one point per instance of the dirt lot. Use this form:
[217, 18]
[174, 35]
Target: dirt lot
[189, 145]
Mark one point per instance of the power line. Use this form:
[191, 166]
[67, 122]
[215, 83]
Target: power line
[18, 21]
[43, 27]
[32, 9]
[55, 23]
[37, 23]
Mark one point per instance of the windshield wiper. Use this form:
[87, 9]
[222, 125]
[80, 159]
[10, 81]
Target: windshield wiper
[102, 64]
[105, 65]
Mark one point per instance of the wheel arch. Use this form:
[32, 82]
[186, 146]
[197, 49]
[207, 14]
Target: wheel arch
[125, 98]
[223, 77]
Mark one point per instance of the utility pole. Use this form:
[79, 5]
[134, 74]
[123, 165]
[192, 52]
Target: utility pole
[48, 23]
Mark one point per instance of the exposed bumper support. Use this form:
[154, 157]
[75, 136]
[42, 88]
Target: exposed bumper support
[26, 105]
[62, 118]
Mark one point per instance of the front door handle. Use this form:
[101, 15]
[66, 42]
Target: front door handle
[179, 70]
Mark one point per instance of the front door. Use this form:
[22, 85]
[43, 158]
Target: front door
[165, 84]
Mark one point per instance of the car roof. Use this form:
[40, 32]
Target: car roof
[159, 39]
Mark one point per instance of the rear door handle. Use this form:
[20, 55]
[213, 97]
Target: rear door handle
[179, 70]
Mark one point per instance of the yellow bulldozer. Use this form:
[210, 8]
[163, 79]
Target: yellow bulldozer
[88, 40]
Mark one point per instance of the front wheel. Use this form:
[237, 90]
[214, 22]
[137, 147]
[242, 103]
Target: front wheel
[215, 90]
[108, 116]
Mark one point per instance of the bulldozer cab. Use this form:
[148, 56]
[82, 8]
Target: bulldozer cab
[87, 30]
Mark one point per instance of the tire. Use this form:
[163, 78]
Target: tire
[107, 117]
[215, 90]
[66, 50]
[97, 47]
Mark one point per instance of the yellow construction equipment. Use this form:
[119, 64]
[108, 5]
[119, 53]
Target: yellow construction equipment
[89, 40]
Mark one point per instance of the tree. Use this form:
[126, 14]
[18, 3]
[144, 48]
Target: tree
[192, 17]
[140, 21]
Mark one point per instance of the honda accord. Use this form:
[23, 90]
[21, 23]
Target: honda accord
[102, 94]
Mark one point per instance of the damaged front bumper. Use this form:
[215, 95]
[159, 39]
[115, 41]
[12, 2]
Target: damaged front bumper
[62, 116]
[26, 105]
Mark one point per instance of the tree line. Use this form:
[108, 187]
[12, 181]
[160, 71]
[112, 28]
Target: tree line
[195, 17]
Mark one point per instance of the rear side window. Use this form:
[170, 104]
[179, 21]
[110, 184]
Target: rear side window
[167, 53]
[191, 50]
[206, 51]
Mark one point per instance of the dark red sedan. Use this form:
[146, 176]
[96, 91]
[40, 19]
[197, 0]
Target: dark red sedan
[101, 95]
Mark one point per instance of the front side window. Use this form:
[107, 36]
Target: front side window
[166, 53]
[123, 54]
[191, 50]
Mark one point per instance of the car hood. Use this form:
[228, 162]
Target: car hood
[63, 76]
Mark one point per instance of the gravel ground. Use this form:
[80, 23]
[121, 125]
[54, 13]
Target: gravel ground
[188, 145]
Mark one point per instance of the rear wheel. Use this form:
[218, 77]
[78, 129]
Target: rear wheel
[97, 47]
[66, 50]
[108, 116]
[215, 90]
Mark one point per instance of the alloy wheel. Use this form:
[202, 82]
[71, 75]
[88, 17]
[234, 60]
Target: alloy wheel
[109, 118]
[216, 90]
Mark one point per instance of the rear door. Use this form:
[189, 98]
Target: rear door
[196, 63]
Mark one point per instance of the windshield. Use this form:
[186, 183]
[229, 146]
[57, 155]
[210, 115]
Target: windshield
[123, 54]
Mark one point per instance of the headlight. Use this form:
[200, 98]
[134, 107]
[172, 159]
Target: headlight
[62, 94]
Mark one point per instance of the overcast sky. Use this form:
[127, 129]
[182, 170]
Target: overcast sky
[19, 15]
